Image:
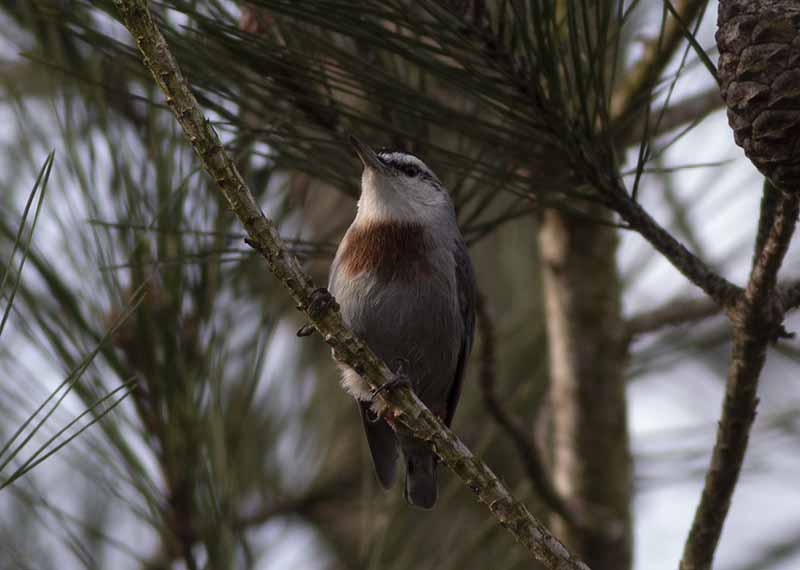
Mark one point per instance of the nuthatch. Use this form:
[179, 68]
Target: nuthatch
[404, 281]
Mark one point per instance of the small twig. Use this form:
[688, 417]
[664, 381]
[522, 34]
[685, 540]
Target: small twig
[684, 311]
[527, 449]
[348, 349]
[672, 313]
[756, 321]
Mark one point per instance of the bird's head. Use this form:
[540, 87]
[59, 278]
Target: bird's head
[398, 186]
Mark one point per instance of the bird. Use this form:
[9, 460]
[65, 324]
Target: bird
[405, 284]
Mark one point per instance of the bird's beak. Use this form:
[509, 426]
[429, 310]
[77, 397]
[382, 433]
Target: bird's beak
[368, 157]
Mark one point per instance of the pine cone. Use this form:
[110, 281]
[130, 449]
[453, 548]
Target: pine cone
[759, 67]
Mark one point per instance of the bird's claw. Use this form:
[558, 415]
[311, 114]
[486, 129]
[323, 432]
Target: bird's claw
[394, 384]
[400, 380]
[305, 330]
[321, 300]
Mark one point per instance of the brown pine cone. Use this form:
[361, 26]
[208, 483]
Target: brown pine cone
[759, 67]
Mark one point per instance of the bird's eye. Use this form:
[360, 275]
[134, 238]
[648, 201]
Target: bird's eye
[409, 170]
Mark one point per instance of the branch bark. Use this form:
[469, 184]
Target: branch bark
[757, 321]
[410, 411]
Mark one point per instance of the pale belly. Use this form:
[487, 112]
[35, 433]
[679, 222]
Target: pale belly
[416, 324]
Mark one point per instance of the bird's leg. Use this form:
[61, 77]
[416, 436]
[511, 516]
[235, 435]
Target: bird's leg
[321, 300]
[400, 379]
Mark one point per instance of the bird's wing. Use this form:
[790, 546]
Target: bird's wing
[466, 288]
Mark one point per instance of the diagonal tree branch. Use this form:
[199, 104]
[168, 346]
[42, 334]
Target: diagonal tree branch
[722, 292]
[757, 321]
[410, 411]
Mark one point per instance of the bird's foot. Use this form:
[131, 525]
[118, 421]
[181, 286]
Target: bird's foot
[400, 380]
[305, 330]
[321, 300]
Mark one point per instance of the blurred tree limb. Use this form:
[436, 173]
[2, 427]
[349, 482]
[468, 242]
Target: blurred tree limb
[511, 514]
[686, 310]
[674, 312]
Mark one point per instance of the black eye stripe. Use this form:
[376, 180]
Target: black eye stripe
[410, 170]
[397, 160]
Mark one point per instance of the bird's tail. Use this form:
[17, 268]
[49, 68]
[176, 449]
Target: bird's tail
[382, 445]
[421, 487]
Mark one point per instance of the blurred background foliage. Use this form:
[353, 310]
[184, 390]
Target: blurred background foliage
[234, 446]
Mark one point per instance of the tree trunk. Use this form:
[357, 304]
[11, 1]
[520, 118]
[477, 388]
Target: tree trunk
[591, 456]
